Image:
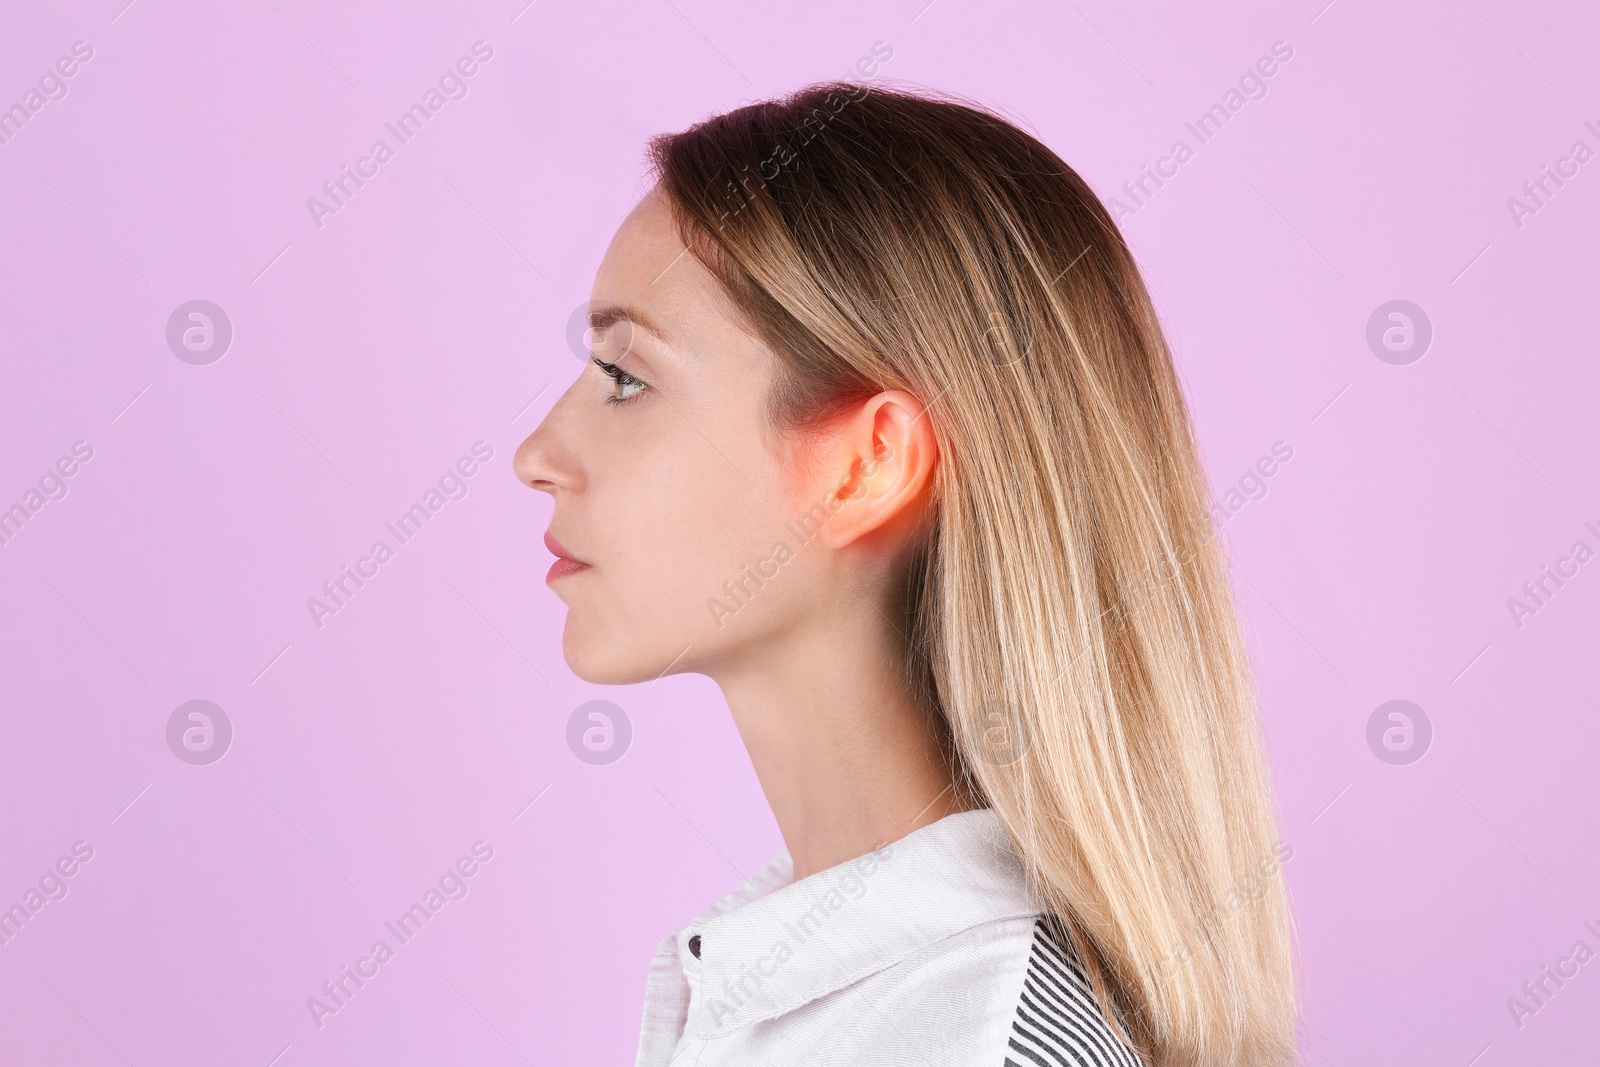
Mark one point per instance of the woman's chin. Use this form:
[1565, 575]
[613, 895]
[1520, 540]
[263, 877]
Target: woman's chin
[605, 658]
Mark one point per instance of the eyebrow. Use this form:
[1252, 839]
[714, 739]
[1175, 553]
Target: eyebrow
[610, 314]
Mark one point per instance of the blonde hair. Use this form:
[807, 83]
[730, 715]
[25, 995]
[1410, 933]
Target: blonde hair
[1069, 614]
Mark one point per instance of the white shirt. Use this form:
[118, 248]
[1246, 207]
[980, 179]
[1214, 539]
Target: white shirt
[929, 951]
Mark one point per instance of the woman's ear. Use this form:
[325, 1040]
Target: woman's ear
[881, 458]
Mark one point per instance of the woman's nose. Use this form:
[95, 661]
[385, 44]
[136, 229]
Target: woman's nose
[547, 460]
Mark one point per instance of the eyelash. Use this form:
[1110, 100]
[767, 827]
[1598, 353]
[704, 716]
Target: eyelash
[619, 377]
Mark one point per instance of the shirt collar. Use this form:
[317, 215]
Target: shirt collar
[773, 944]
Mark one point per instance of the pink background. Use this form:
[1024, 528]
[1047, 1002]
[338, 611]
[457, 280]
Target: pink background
[370, 353]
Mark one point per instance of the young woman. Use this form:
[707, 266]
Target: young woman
[882, 435]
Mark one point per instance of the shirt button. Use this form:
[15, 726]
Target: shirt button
[694, 946]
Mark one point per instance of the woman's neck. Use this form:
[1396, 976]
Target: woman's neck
[846, 757]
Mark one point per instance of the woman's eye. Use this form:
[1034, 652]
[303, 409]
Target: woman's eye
[625, 386]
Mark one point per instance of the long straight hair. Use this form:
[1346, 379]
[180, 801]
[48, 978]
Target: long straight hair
[1068, 612]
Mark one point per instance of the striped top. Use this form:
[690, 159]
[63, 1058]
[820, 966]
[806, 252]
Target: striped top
[1058, 1023]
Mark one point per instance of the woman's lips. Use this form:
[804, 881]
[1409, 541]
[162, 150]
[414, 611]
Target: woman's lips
[563, 567]
[565, 563]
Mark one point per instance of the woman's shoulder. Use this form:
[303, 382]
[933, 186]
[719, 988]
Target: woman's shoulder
[1008, 993]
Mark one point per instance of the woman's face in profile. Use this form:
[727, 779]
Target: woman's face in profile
[666, 478]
